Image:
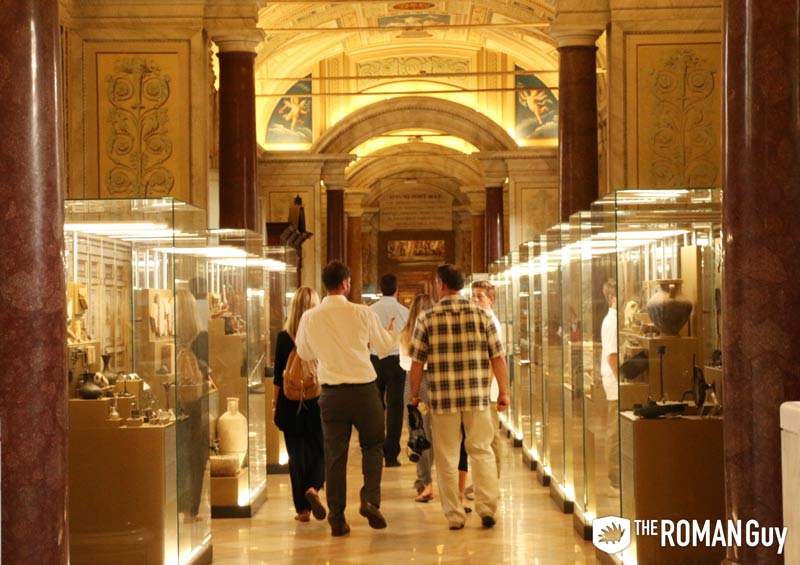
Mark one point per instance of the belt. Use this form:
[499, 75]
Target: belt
[350, 385]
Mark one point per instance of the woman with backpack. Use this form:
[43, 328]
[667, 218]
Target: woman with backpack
[299, 419]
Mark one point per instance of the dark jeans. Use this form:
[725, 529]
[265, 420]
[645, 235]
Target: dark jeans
[341, 408]
[306, 465]
[391, 385]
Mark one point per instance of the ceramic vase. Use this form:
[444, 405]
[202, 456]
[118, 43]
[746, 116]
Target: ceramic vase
[110, 375]
[89, 389]
[668, 309]
[232, 431]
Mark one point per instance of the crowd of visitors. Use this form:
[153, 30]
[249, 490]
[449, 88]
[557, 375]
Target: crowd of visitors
[341, 365]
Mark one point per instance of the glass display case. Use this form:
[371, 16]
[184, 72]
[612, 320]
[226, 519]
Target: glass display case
[139, 383]
[283, 281]
[523, 345]
[538, 429]
[668, 260]
[552, 361]
[237, 286]
[501, 278]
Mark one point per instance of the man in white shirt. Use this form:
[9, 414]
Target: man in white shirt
[609, 370]
[338, 334]
[391, 376]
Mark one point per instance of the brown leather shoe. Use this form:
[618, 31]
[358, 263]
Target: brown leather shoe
[317, 508]
[373, 515]
[339, 528]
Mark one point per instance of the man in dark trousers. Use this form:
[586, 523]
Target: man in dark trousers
[338, 334]
[391, 376]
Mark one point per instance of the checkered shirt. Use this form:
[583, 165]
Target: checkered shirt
[457, 339]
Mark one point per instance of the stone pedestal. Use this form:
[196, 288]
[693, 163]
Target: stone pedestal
[238, 196]
[761, 328]
[33, 385]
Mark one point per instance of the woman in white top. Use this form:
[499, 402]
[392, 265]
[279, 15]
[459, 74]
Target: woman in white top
[424, 482]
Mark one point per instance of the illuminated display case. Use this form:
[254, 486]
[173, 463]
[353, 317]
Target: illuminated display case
[283, 281]
[501, 278]
[668, 256]
[238, 325]
[523, 356]
[552, 362]
[139, 382]
[538, 429]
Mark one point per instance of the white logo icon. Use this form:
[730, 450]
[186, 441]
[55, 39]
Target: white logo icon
[611, 534]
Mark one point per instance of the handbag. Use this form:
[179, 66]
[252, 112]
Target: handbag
[300, 379]
[190, 377]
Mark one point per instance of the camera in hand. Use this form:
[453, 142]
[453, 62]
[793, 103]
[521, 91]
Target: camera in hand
[417, 440]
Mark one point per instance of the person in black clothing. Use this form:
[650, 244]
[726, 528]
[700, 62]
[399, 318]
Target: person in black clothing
[300, 423]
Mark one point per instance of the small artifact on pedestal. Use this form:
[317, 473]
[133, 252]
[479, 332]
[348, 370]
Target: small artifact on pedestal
[667, 308]
[89, 390]
[232, 431]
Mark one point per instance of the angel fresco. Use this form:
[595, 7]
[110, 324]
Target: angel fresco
[291, 119]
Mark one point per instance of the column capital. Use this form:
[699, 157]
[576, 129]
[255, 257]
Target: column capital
[238, 41]
[578, 23]
[569, 36]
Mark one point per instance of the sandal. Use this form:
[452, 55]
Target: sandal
[425, 498]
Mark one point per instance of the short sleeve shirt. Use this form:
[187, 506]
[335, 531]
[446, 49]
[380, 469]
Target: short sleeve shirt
[457, 339]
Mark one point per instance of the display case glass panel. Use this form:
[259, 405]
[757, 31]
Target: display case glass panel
[238, 294]
[523, 340]
[501, 278]
[538, 429]
[552, 360]
[666, 250]
[138, 418]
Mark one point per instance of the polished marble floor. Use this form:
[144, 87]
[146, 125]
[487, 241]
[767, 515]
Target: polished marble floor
[530, 529]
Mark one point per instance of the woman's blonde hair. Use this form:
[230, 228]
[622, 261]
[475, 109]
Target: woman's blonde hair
[421, 303]
[304, 299]
[187, 321]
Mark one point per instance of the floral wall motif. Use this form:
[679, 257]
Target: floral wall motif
[674, 113]
[139, 145]
[138, 113]
[684, 139]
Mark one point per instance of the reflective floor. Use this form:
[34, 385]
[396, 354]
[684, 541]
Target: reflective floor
[530, 529]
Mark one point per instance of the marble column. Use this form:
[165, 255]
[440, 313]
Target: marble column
[354, 257]
[478, 244]
[761, 326]
[494, 224]
[577, 115]
[33, 385]
[335, 224]
[238, 187]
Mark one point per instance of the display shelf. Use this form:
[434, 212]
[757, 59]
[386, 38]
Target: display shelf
[138, 450]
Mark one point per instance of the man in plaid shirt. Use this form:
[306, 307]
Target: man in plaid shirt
[459, 342]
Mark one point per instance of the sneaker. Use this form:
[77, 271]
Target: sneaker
[456, 525]
[316, 505]
[373, 515]
[488, 521]
[339, 528]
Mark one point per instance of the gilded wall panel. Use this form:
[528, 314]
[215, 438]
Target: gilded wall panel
[674, 111]
[137, 109]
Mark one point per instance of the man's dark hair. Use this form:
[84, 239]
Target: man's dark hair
[450, 276]
[334, 274]
[389, 285]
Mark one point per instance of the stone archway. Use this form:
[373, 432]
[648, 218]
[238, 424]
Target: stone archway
[420, 112]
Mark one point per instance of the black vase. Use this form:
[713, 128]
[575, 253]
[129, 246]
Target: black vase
[88, 389]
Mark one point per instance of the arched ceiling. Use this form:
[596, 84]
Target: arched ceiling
[285, 53]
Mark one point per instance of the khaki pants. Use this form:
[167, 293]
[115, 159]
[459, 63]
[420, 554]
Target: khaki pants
[497, 439]
[479, 433]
